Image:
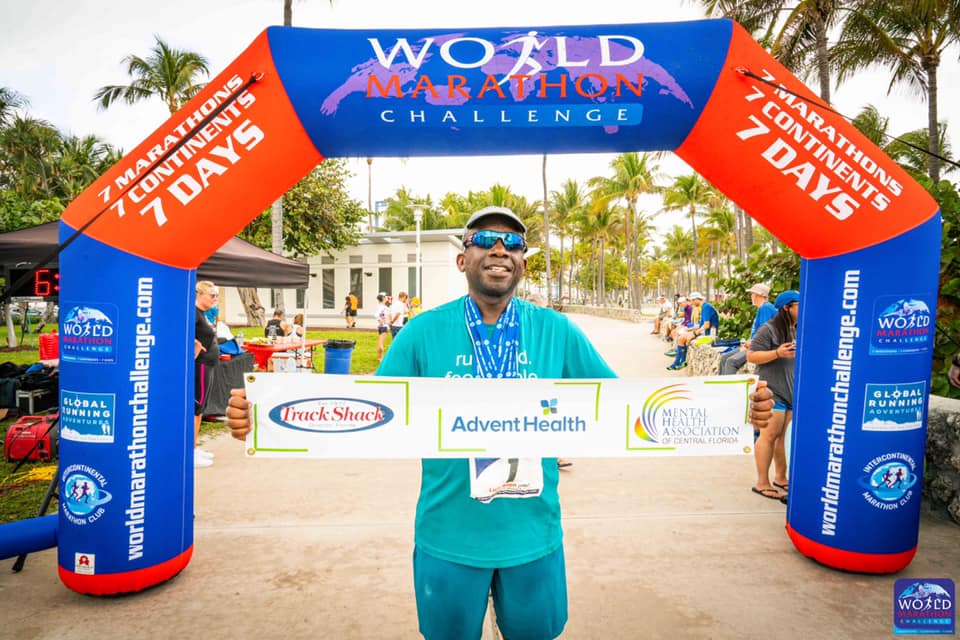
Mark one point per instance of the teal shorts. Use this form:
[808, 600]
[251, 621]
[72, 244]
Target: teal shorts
[530, 600]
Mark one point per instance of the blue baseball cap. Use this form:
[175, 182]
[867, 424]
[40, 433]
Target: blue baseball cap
[787, 297]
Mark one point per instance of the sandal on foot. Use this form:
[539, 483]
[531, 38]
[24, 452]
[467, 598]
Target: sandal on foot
[785, 486]
[772, 494]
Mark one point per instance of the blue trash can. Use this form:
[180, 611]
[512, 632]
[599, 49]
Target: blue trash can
[337, 356]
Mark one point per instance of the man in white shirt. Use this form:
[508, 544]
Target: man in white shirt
[398, 314]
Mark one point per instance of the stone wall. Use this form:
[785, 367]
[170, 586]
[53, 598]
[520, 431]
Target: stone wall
[941, 476]
[619, 313]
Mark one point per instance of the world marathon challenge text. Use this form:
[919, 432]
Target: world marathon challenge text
[139, 402]
[841, 366]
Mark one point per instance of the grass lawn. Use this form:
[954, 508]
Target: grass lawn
[21, 493]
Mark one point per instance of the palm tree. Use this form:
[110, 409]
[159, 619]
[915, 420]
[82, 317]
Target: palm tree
[565, 204]
[907, 149]
[28, 146]
[908, 36]
[679, 248]
[799, 40]
[633, 175]
[691, 194]
[10, 101]
[173, 75]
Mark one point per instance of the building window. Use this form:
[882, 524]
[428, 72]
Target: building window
[385, 279]
[412, 282]
[301, 298]
[329, 291]
[356, 285]
[276, 298]
[356, 259]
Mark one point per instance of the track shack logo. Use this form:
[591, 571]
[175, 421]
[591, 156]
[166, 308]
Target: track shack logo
[87, 333]
[901, 324]
[331, 415]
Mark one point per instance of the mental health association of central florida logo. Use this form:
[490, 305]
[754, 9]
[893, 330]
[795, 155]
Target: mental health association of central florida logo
[924, 606]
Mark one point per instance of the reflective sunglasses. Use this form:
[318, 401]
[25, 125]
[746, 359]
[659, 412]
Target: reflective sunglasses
[486, 239]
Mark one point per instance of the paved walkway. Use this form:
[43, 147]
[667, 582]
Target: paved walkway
[666, 548]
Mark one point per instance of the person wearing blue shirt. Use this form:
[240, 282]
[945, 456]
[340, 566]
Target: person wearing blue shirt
[708, 325]
[474, 538]
[732, 362]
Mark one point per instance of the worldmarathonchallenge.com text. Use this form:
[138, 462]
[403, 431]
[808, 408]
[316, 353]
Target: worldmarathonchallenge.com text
[140, 403]
[836, 434]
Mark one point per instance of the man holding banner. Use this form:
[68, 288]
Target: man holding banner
[489, 525]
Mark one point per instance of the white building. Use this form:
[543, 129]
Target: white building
[383, 261]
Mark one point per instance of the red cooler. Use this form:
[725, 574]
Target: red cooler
[49, 346]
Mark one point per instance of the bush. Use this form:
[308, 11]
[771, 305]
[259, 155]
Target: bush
[947, 337]
[780, 270]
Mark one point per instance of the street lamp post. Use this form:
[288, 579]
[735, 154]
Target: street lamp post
[418, 210]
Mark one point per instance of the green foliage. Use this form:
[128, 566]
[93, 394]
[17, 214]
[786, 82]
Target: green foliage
[947, 337]
[780, 270]
[318, 214]
[20, 213]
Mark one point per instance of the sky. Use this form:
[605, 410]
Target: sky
[59, 52]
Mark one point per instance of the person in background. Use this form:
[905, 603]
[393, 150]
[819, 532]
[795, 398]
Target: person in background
[664, 309]
[706, 323]
[731, 362]
[954, 373]
[276, 327]
[212, 314]
[206, 355]
[383, 324]
[415, 308]
[296, 331]
[773, 350]
[348, 318]
[398, 314]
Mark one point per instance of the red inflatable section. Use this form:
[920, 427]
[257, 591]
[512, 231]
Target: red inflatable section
[851, 560]
[249, 153]
[800, 156]
[127, 582]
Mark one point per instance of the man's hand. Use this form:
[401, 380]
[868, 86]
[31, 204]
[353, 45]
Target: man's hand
[238, 414]
[761, 406]
[954, 375]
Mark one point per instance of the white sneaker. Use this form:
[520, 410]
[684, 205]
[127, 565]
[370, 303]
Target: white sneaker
[201, 453]
[199, 462]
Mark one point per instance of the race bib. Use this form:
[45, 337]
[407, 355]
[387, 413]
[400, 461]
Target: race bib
[505, 478]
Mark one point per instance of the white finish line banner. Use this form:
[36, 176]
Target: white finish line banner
[340, 416]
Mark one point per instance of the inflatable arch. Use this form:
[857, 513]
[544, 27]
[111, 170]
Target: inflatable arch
[868, 235]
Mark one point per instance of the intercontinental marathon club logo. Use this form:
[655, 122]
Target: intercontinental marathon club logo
[924, 606]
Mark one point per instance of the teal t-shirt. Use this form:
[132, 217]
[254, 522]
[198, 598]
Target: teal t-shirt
[451, 525]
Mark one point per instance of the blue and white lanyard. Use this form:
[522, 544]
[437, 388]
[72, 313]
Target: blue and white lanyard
[494, 356]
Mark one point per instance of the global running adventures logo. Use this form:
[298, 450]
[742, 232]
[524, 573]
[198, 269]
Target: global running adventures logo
[924, 606]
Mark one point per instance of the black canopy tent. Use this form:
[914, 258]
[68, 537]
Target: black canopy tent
[236, 264]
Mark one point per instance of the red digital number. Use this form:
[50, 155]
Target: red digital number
[45, 282]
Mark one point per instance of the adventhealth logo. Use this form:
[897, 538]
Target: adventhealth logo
[522, 424]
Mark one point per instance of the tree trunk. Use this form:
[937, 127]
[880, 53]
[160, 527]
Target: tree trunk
[933, 129]
[251, 305]
[747, 232]
[823, 61]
